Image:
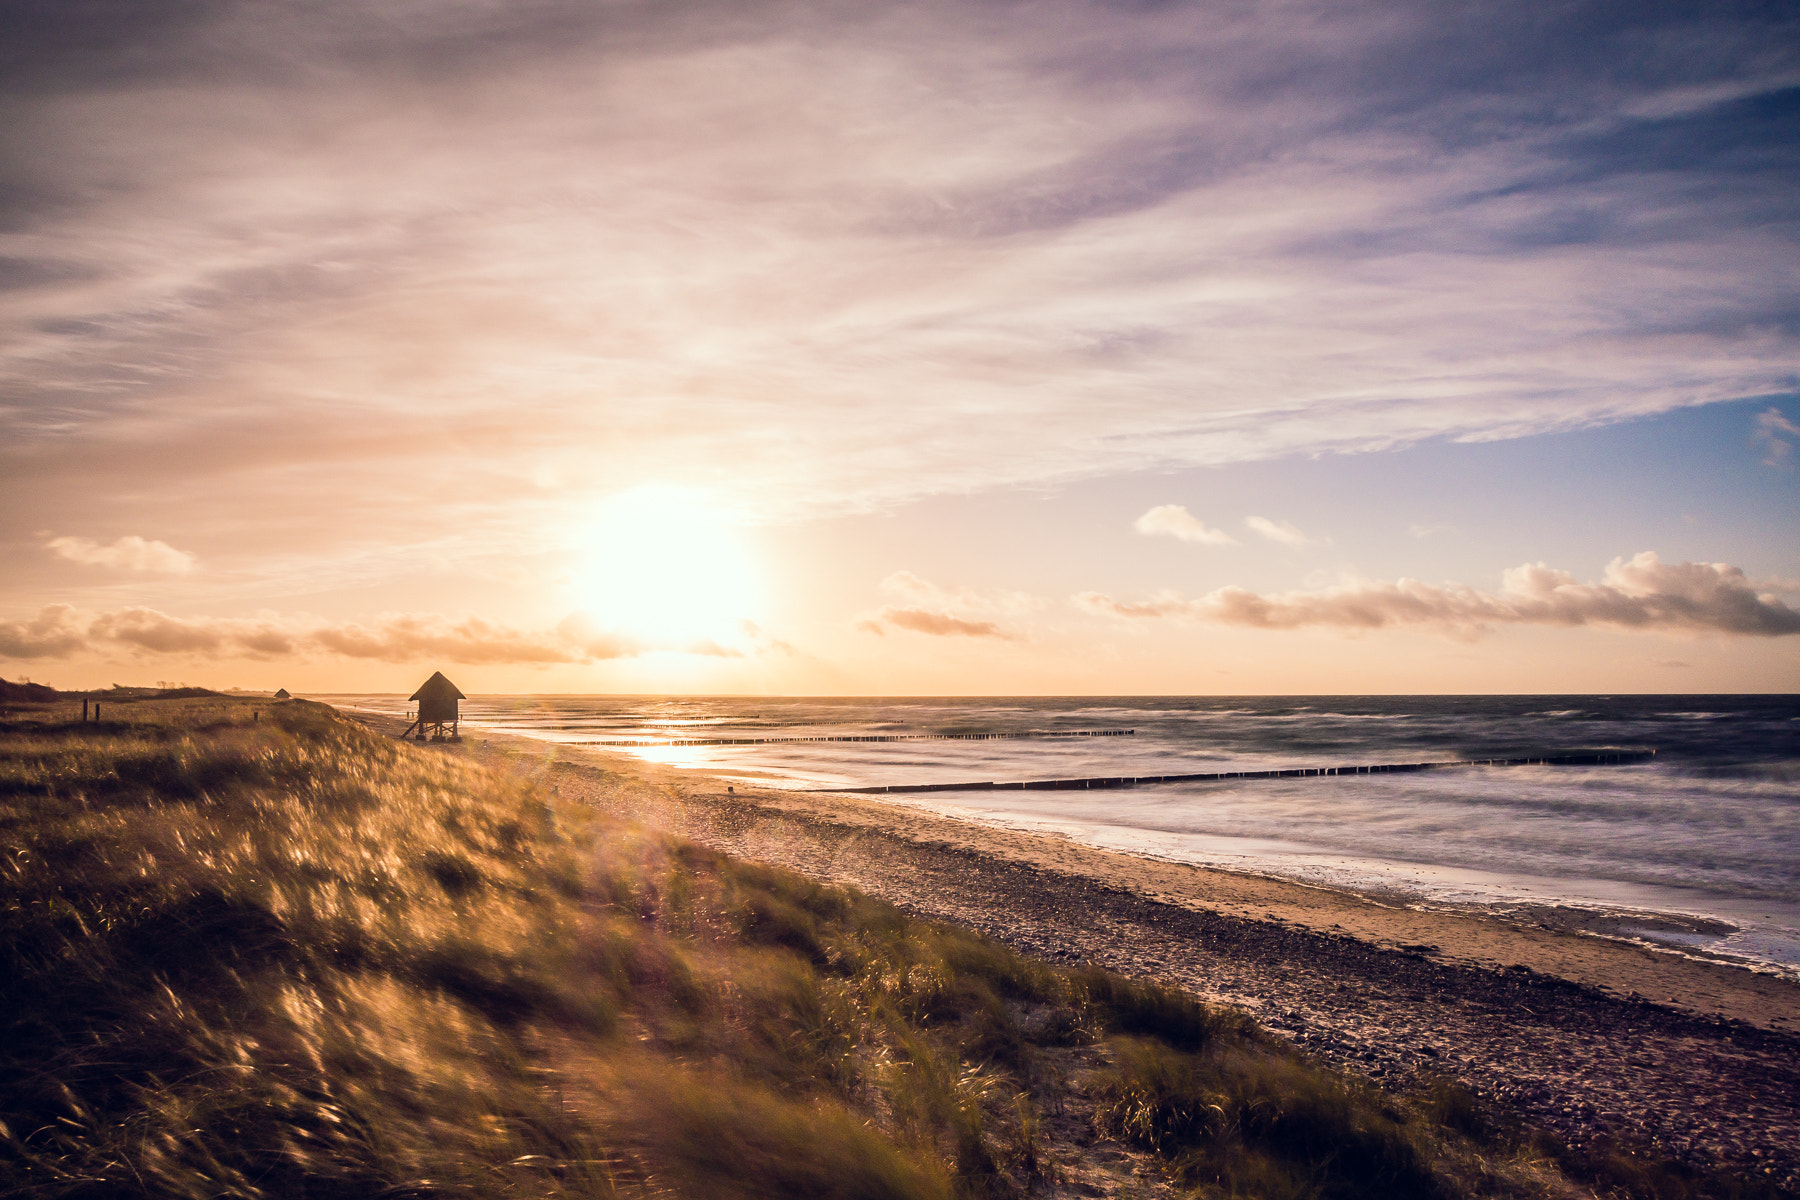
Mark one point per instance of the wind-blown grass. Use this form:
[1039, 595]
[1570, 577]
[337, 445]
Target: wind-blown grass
[252, 950]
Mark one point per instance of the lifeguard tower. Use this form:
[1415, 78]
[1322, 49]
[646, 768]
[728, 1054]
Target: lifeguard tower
[437, 699]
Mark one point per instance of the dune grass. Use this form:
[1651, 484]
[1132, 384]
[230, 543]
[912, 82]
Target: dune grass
[253, 950]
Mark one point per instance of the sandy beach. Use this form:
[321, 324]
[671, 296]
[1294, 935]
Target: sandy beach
[1588, 1036]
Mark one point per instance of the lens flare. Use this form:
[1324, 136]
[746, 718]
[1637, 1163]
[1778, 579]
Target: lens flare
[669, 569]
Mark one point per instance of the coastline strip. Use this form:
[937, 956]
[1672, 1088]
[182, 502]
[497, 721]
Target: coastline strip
[875, 737]
[1604, 758]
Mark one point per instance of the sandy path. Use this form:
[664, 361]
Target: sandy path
[1587, 1036]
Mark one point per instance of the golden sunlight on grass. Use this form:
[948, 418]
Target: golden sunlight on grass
[276, 955]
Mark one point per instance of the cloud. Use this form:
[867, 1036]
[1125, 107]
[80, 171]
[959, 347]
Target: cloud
[594, 640]
[60, 631]
[937, 624]
[56, 632]
[403, 637]
[145, 629]
[1771, 425]
[838, 257]
[130, 553]
[764, 641]
[1177, 522]
[1279, 531]
[910, 588]
[1640, 593]
[929, 608]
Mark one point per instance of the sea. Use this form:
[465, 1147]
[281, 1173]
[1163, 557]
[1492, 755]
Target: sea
[1695, 849]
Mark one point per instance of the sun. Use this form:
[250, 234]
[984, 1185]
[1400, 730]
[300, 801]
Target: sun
[667, 567]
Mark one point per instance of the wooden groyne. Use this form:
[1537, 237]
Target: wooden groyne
[875, 737]
[1602, 758]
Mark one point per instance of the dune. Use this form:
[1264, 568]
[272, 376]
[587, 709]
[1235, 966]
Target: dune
[1596, 1039]
[259, 950]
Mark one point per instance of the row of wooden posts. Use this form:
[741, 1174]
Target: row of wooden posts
[870, 737]
[1600, 758]
[255, 715]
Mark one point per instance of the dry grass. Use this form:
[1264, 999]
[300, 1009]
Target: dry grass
[253, 950]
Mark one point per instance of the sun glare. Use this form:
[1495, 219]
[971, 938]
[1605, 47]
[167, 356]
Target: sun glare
[669, 569]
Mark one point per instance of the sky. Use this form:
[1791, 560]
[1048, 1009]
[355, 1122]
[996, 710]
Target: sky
[944, 347]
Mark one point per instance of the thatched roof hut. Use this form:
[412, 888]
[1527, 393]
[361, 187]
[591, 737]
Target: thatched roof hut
[437, 699]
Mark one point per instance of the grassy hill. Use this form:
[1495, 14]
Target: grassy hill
[252, 950]
[26, 693]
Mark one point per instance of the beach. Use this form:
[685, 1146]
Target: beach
[1590, 1037]
[1662, 820]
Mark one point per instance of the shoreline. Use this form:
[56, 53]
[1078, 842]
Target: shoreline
[1470, 937]
[1561, 906]
[1683, 924]
[1591, 1038]
[1532, 934]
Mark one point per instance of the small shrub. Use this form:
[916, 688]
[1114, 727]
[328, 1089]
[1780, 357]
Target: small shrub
[939, 1101]
[725, 1139]
[1145, 1009]
[1259, 1122]
[1454, 1107]
[1616, 1171]
[772, 921]
[992, 1035]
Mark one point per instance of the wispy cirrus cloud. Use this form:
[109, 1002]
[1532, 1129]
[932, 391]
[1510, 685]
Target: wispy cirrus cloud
[806, 252]
[1640, 593]
[1174, 520]
[131, 553]
[1771, 433]
[62, 631]
[937, 624]
[1284, 532]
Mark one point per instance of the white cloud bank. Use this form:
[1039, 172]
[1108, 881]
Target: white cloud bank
[131, 553]
[1176, 521]
[1641, 593]
[61, 631]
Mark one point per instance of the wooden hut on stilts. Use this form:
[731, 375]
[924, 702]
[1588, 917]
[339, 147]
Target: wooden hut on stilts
[437, 699]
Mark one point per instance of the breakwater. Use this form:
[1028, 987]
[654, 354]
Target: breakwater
[1599, 758]
[874, 737]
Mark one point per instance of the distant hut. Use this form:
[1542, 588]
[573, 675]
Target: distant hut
[437, 699]
[283, 694]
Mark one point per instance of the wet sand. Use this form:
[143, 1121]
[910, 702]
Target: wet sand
[1587, 1036]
